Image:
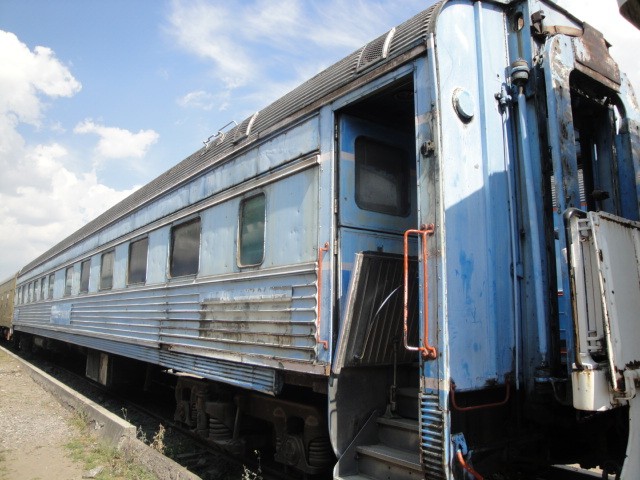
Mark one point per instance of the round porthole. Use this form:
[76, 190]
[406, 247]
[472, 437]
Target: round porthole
[463, 104]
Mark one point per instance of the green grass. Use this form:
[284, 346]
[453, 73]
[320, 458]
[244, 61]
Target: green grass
[91, 452]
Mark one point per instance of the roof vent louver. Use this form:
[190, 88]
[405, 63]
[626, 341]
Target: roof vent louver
[244, 129]
[375, 50]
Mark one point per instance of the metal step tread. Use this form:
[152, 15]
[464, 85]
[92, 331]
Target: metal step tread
[401, 458]
[413, 392]
[400, 422]
[357, 476]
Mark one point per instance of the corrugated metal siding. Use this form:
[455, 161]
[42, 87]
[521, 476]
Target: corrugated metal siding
[408, 35]
[236, 319]
[432, 437]
[265, 380]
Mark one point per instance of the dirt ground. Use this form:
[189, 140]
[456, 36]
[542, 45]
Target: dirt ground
[34, 428]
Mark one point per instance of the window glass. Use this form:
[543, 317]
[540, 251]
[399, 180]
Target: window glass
[382, 177]
[185, 248]
[43, 288]
[138, 261]
[30, 292]
[85, 268]
[106, 270]
[51, 281]
[68, 275]
[251, 242]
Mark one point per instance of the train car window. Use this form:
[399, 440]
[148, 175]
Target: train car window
[106, 270]
[251, 231]
[85, 267]
[36, 290]
[43, 288]
[30, 292]
[382, 177]
[51, 281]
[68, 275]
[185, 249]
[138, 261]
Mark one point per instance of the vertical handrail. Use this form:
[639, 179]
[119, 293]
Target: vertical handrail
[427, 350]
[321, 252]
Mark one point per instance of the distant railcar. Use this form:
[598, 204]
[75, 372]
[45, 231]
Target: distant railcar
[421, 262]
[7, 299]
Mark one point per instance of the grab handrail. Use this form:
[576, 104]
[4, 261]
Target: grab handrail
[427, 350]
[321, 251]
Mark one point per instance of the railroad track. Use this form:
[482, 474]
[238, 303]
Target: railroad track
[147, 414]
[186, 447]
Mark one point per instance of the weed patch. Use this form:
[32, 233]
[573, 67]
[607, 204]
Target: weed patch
[92, 453]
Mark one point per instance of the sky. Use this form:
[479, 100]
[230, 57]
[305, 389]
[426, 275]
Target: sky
[98, 98]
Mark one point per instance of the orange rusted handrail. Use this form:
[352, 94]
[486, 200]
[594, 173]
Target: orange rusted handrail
[321, 252]
[427, 350]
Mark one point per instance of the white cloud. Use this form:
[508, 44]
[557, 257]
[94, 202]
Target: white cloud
[204, 100]
[117, 142]
[263, 48]
[207, 30]
[41, 200]
[48, 203]
[25, 75]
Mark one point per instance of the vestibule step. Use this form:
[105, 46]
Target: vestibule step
[399, 433]
[359, 476]
[382, 461]
[407, 400]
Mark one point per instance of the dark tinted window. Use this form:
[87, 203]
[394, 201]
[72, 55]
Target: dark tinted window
[251, 241]
[84, 276]
[382, 177]
[106, 270]
[68, 275]
[185, 248]
[51, 282]
[138, 261]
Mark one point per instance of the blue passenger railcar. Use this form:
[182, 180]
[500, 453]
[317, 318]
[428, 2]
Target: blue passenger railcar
[421, 262]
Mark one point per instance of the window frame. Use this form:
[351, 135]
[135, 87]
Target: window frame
[111, 252]
[68, 281]
[146, 260]
[174, 227]
[403, 174]
[51, 285]
[43, 288]
[84, 263]
[239, 237]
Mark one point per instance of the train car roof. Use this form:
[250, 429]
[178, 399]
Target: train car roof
[386, 50]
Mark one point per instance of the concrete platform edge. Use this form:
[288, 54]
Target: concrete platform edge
[108, 426]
